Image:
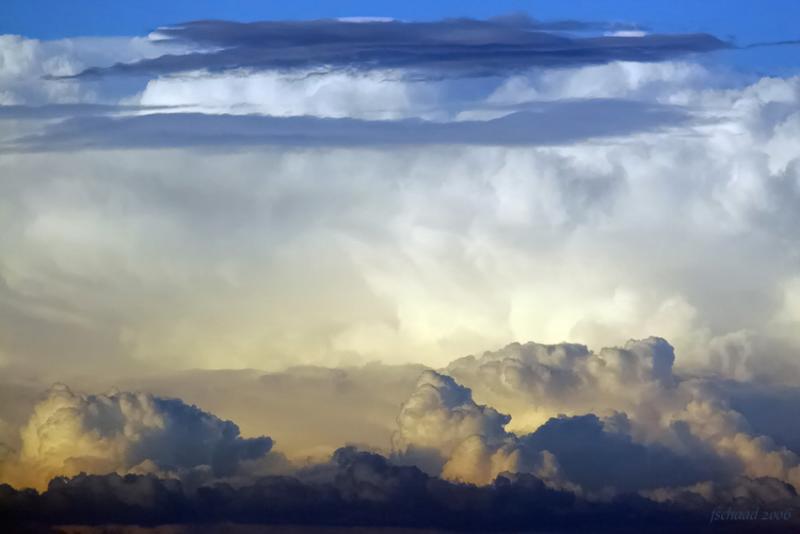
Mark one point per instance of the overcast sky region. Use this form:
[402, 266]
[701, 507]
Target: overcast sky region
[519, 266]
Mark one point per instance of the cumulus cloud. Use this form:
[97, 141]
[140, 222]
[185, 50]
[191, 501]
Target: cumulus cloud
[500, 218]
[345, 405]
[440, 421]
[451, 456]
[69, 433]
[443, 430]
[659, 429]
[535, 381]
[449, 216]
[448, 250]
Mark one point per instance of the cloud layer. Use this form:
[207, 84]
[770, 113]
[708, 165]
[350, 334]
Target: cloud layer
[452, 47]
[445, 250]
[366, 491]
[367, 214]
[579, 120]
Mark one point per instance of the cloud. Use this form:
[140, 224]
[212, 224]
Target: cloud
[319, 195]
[448, 250]
[535, 381]
[676, 425]
[447, 48]
[439, 419]
[667, 81]
[345, 405]
[365, 490]
[442, 429]
[454, 462]
[370, 95]
[28, 68]
[449, 217]
[602, 457]
[578, 120]
[122, 432]
[741, 491]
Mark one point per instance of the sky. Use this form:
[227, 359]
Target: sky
[748, 21]
[369, 262]
[743, 21]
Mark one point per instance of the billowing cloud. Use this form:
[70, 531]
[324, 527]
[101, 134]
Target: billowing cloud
[268, 217]
[442, 429]
[535, 381]
[454, 461]
[124, 432]
[682, 428]
[447, 250]
[440, 421]
[345, 405]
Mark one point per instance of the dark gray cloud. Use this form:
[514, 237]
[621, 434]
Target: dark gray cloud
[58, 111]
[446, 48]
[547, 123]
[363, 489]
[614, 459]
[767, 409]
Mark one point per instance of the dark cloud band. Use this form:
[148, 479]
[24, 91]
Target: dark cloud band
[441, 49]
[544, 124]
[360, 489]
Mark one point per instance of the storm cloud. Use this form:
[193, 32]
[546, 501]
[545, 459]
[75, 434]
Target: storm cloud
[366, 490]
[461, 274]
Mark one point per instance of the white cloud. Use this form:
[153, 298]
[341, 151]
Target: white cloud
[440, 414]
[436, 251]
[266, 257]
[442, 430]
[663, 81]
[26, 66]
[374, 95]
